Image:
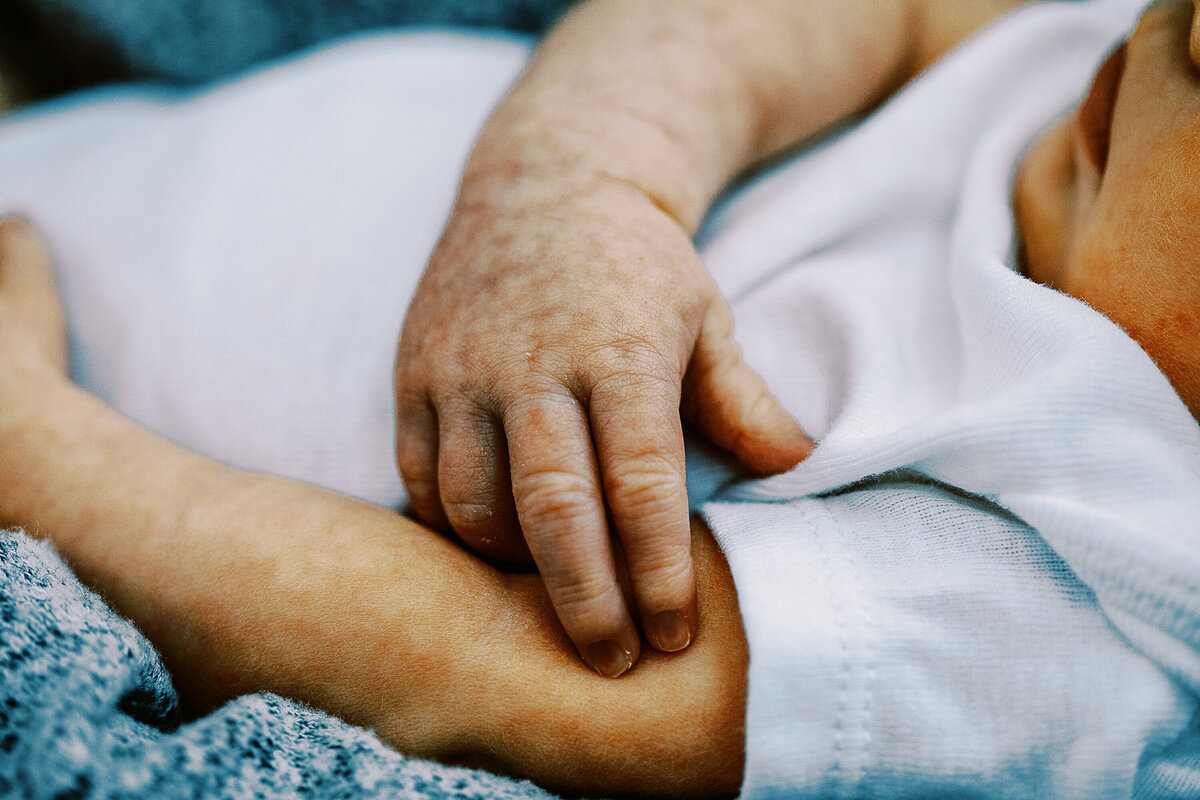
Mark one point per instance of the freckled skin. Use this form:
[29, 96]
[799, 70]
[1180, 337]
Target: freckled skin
[1185, 324]
[591, 330]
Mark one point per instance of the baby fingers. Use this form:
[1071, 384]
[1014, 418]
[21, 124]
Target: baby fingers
[559, 502]
[639, 441]
[474, 486]
[454, 463]
[417, 453]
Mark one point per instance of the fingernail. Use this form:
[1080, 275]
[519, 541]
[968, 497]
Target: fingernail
[670, 631]
[608, 658]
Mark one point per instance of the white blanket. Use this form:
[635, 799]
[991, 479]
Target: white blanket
[1011, 607]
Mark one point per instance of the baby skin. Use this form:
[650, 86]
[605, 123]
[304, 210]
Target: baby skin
[249, 583]
[550, 400]
[1107, 201]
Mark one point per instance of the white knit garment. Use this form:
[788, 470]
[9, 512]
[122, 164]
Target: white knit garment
[872, 286]
[1012, 608]
[911, 642]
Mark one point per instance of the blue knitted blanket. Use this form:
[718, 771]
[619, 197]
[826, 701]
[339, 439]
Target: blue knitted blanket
[88, 711]
[189, 41]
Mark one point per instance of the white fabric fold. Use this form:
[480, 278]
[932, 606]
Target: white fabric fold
[873, 285]
[236, 263]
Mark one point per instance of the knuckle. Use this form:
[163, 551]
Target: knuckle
[666, 568]
[410, 405]
[718, 320]
[730, 351]
[760, 407]
[407, 365]
[646, 486]
[582, 595]
[553, 499]
[540, 357]
[525, 404]
[635, 354]
[634, 345]
[635, 335]
[418, 474]
[18, 240]
[623, 382]
[423, 488]
[466, 418]
[424, 498]
[725, 359]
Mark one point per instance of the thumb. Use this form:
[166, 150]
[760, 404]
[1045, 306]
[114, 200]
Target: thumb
[730, 403]
[29, 297]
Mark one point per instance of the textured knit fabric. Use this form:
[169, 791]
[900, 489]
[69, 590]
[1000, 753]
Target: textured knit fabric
[873, 286]
[982, 583]
[198, 40]
[87, 711]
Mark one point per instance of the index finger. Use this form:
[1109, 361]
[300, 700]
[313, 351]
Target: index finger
[639, 441]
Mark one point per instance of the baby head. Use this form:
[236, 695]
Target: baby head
[1107, 202]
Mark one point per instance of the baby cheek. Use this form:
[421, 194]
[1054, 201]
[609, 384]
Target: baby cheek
[1179, 325]
[1154, 298]
[1171, 336]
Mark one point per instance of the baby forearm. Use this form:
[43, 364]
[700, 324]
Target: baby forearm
[249, 583]
[678, 97]
[244, 582]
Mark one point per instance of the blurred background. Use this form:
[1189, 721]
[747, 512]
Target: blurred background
[48, 47]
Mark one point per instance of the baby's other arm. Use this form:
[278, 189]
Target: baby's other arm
[250, 583]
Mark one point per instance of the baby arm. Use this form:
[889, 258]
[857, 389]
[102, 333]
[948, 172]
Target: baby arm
[565, 321]
[248, 583]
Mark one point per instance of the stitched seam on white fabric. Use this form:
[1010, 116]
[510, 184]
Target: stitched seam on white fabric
[837, 606]
[868, 660]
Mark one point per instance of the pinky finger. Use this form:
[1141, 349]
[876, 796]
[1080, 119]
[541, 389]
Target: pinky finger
[417, 457]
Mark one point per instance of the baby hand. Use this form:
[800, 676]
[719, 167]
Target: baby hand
[542, 367]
